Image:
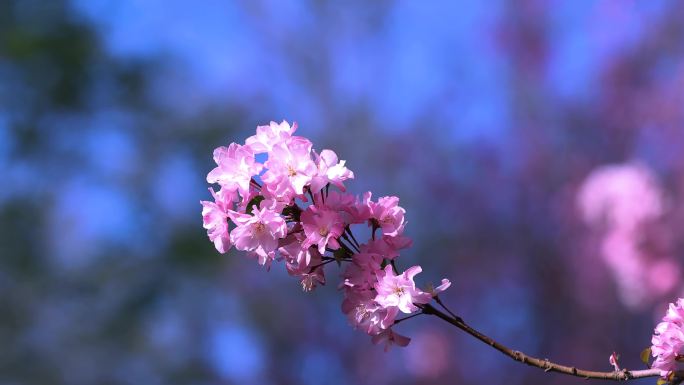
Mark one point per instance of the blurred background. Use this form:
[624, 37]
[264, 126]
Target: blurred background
[537, 147]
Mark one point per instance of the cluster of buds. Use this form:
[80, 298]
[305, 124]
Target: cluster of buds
[285, 210]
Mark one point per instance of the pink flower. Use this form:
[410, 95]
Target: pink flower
[361, 273]
[279, 189]
[290, 167]
[310, 280]
[322, 227]
[293, 253]
[301, 262]
[350, 208]
[400, 290]
[235, 168]
[365, 314]
[268, 136]
[390, 338]
[388, 214]
[388, 246]
[274, 202]
[214, 218]
[668, 339]
[675, 313]
[258, 233]
[330, 170]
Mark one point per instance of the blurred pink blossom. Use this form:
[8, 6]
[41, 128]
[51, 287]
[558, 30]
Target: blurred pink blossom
[622, 201]
[428, 356]
[623, 196]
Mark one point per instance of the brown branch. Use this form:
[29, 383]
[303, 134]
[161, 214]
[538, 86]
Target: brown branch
[546, 365]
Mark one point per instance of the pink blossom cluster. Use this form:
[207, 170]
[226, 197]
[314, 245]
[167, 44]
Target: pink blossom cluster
[624, 201]
[668, 339]
[284, 210]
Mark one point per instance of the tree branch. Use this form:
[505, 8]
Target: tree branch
[548, 366]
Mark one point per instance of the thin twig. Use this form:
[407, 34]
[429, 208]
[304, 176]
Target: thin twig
[544, 364]
[345, 247]
[408, 317]
[439, 301]
[394, 267]
[348, 230]
[314, 267]
[255, 184]
[313, 201]
[346, 238]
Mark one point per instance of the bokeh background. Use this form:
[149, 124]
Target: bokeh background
[538, 148]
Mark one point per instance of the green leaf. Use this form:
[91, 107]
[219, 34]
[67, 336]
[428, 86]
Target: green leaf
[293, 212]
[645, 355]
[339, 255]
[256, 201]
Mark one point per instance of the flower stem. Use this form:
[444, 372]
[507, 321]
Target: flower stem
[348, 230]
[350, 243]
[407, 317]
